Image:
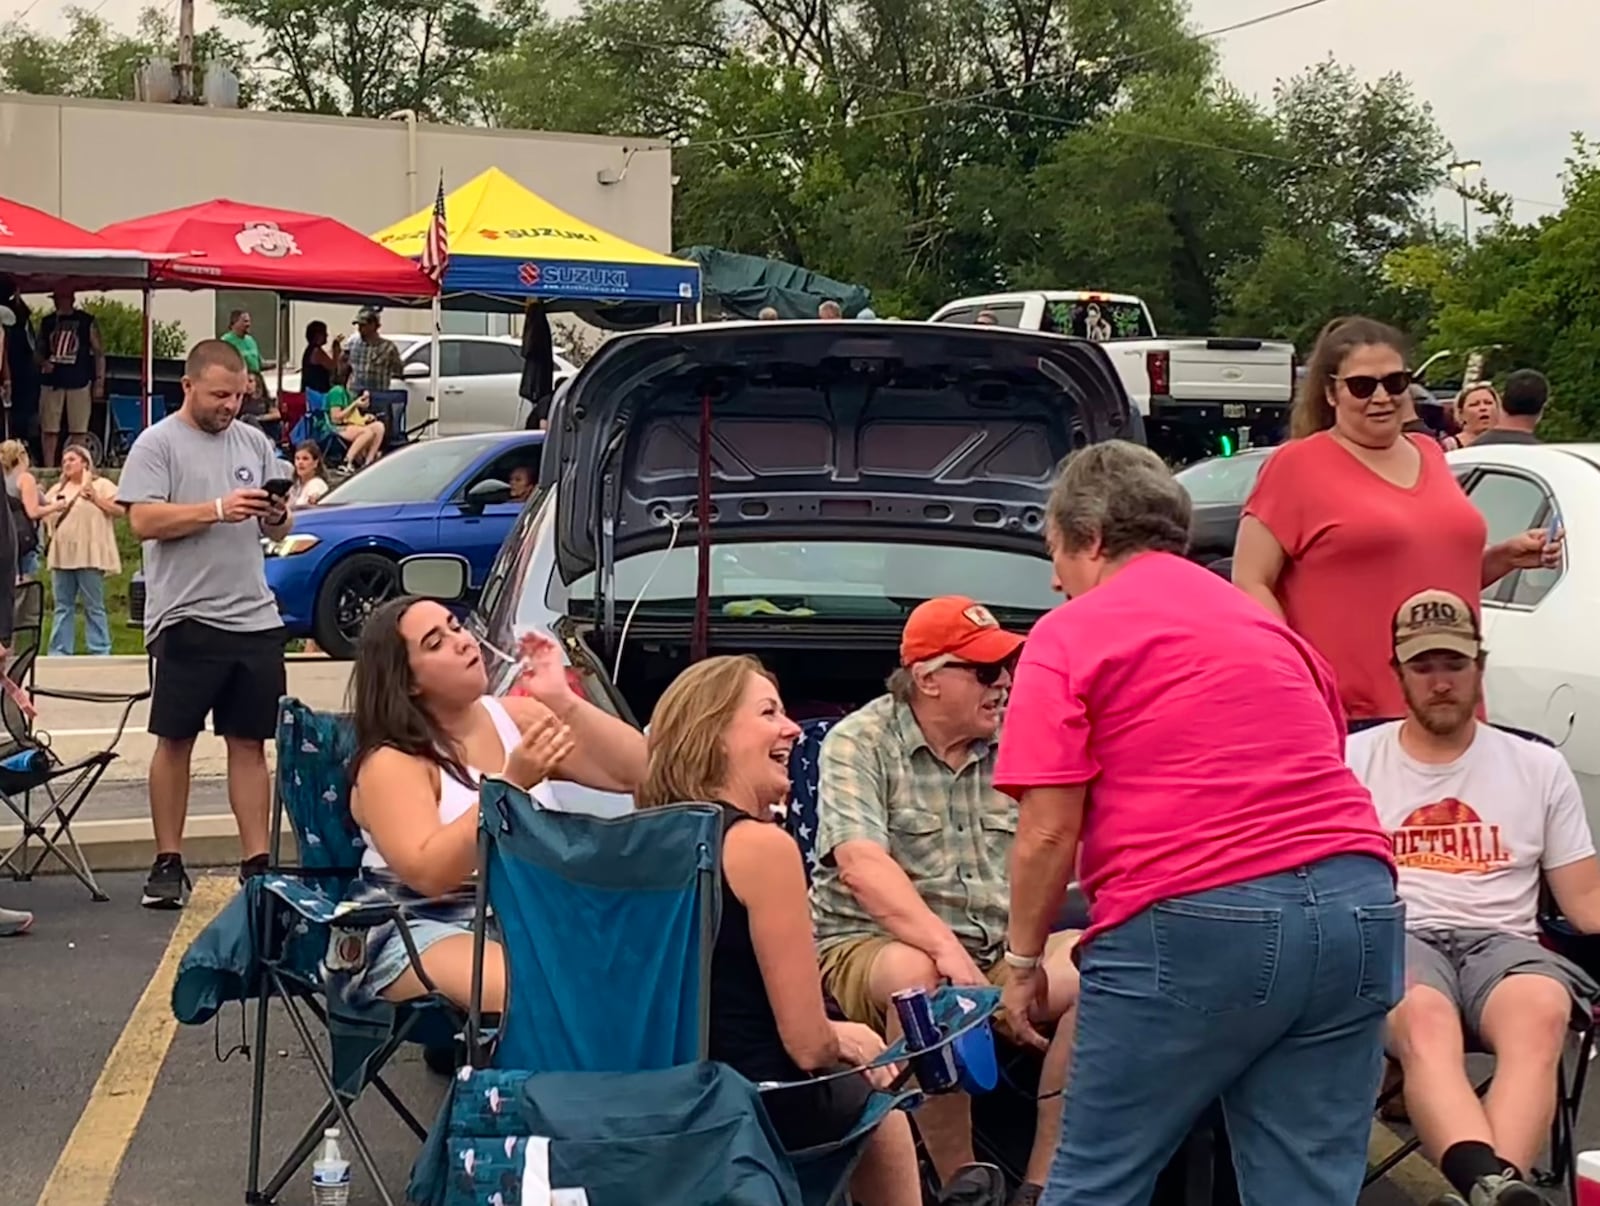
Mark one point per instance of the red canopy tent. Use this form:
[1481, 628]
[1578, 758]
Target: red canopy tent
[230, 245]
[41, 251]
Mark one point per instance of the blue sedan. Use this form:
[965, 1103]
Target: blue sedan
[438, 496]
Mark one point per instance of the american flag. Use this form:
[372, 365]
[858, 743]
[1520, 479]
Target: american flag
[436, 249]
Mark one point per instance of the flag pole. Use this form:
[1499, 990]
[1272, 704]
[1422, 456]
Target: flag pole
[433, 377]
[435, 259]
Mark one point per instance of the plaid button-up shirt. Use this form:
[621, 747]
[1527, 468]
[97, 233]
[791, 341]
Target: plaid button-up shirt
[373, 366]
[949, 830]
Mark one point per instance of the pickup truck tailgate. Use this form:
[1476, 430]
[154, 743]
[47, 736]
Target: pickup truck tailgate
[1250, 371]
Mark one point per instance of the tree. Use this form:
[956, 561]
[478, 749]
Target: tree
[95, 61]
[1530, 290]
[369, 58]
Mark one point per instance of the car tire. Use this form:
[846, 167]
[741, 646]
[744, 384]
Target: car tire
[353, 589]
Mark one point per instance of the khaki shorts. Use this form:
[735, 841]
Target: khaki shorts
[74, 403]
[847, 974]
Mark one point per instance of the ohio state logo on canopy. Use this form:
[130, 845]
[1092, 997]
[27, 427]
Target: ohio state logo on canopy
[267, 239]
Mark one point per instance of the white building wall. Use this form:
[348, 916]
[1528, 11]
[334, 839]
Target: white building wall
[97, 162]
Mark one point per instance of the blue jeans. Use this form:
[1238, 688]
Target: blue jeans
[1270, 995]
[70, 586]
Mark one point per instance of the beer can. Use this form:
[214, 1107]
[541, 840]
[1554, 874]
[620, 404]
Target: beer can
[347, 950]
[935, 1066]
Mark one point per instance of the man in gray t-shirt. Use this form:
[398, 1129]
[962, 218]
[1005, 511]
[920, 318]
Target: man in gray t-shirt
[194, 485]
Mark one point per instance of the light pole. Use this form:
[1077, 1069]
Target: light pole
[1465, 167]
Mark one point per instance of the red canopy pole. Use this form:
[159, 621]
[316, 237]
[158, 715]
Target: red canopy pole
[147, 368]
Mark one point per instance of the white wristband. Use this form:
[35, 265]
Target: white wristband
[219, 510]
[1021, 962]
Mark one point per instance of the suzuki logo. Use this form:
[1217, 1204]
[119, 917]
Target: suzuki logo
[1232, 374]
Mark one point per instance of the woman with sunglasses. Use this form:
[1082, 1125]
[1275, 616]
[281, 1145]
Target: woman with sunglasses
[1354, 516]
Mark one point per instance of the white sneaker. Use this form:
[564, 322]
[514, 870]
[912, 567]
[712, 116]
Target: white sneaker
[14, 922]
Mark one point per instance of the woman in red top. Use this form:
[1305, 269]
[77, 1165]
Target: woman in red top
[1352, 517]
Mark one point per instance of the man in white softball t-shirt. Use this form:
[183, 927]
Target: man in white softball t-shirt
[1477, 816]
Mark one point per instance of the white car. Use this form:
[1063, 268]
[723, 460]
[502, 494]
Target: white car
[1538, 625]
[479, 376]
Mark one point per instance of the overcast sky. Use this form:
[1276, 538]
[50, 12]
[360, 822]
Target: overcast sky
[1508, 84]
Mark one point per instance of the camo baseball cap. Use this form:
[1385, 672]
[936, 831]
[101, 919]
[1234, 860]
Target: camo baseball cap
[1435, 621]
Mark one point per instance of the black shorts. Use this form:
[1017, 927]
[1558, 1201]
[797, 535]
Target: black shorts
[809, 1115]
[238, 677]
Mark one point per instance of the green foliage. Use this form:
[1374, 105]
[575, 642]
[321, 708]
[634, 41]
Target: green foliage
[122, 330]
[95, 61]
[369, 59]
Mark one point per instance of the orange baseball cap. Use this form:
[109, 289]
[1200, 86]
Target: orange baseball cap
[956, 625]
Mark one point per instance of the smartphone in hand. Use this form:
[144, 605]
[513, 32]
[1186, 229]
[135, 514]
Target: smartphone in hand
[278, 487]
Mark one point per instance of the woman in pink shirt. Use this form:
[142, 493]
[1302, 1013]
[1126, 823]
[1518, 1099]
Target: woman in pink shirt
[1245, 942]
[1352, 517]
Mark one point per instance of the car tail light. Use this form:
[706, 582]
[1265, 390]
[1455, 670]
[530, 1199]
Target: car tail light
[1294, 374]
[1159, 366]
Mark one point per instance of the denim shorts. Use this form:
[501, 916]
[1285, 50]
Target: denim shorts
[392, 960]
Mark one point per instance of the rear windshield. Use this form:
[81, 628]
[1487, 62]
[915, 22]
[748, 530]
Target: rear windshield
[1098, 320]
[827, 579]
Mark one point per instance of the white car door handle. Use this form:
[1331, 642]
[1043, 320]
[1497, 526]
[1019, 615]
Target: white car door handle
[455, 391]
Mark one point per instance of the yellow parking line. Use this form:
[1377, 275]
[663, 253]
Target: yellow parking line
[86, 1171]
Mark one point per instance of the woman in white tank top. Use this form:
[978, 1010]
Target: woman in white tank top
[426, 732]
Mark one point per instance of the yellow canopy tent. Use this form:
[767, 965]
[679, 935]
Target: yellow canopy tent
[507, 241]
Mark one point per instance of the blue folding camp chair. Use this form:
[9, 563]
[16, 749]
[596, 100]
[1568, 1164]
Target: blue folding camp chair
[607, 926]
[316, 427]
[127, 421]
[297, 912]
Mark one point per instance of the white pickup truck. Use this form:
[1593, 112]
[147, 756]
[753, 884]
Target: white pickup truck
[1192, 393]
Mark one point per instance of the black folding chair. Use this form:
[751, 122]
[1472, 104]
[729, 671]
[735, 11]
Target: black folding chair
[44, 792]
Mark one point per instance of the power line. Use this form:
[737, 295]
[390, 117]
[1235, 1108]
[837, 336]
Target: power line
[930, 104]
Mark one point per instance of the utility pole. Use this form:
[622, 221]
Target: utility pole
[1463, 167]
[186, 89]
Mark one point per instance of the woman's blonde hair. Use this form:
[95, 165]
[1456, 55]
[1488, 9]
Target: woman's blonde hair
[12, 454]
[688, 760]
[80, 450]
[1461, 398]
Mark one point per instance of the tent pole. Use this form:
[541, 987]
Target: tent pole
[433, 377]
[283, 341]
[147, 368]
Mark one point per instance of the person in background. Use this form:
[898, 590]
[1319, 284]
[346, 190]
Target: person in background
[912, 850]
[986, 318]
[309, 484]
[1352, 516]
[538, 385]
[427, 732]
[22, 365]
[1477, 409]
[1521, 408]
[238, 337]
[82, 553]
[1183, 749]
[767, 314]
[28, 507]
[523, 480]
[720, 733]
[1480, 819]
[193, 485]
[13, 922]
[362, 434]
[72, 367]
[319, 365]
[830, 311]
[370, 362]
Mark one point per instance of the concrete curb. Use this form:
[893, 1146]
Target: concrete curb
[1414, 1176]
[209, 840]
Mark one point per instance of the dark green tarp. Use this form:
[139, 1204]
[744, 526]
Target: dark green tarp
[740, 285]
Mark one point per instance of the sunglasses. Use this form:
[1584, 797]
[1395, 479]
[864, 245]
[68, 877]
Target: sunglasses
[987, 673]
[1362, 387]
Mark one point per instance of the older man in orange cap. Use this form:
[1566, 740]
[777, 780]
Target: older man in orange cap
[914, 844]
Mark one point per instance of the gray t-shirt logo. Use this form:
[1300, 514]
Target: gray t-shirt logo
[245, 475]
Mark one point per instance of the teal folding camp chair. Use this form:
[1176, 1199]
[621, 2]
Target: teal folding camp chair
[597, 1072]
[297, 911]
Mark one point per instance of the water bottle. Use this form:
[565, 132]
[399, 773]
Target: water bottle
[330, 1175]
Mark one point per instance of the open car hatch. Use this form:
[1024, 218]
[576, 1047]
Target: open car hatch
[822, 430]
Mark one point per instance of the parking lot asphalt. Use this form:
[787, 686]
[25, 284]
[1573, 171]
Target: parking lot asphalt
[109, 1103]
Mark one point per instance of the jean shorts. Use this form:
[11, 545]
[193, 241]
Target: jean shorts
[392, 960]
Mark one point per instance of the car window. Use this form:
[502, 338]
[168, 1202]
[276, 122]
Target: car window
[1512, 503]
[1221, 479]
[1006, 314]
[965, 314]
[1098, 319]
[413, 474]
[525, 457]
[480, 358]
[826, 579]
